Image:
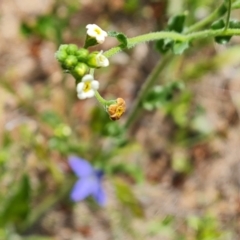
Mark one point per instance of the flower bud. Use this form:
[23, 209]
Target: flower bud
[82, 55]
[80, 70]
[70, 62]
[63, 47]
[117, 109]
[72, 49]
[61, 56]
[97, 59]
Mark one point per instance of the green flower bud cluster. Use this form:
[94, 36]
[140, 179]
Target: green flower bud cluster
[73, 60]
[76, 61]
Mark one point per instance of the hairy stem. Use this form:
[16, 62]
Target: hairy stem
[173, 36]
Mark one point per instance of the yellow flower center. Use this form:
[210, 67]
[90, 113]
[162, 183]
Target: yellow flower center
[119, 111]
[87, 86]
[97, 30]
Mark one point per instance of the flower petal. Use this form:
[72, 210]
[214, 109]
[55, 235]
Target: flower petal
[96, 32]
[89, 93]
[80, 87]
[87, 77]
[82, 95]
[95, 85]
[83, 188]
[81, 167]
[99, 195]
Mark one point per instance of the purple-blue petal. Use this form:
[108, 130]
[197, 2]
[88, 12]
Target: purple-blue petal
[99, 174]
[81, 167]
[99, 195]
[83, 188]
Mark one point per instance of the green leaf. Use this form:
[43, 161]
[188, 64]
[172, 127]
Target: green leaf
[220, 24]
[163, 45]
[176, 23]
[120, 37]
[17, 206]
[127, 198]
[234, 23]
[159, 96]
[180, 47]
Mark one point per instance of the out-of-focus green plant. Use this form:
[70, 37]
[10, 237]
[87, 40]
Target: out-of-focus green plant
[206, 228]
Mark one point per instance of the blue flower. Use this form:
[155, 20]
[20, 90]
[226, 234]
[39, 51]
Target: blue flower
[89, 183]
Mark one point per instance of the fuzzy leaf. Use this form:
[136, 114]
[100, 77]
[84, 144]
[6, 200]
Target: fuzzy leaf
[180, 47]
[176, 23]
[163, 45]
[120, 37]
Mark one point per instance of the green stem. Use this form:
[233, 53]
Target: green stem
[228, 14]
[174, 36]
[209, 19]
[101, 100]
[144, 89]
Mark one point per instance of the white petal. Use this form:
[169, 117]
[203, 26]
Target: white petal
[89, 26]
[87, 77]
[105, 34]
[80, 87]
[95, 85]
[105, 62]
[96, 32]
[89, 94]
[100, 38]
[82, 95]
[91, 33]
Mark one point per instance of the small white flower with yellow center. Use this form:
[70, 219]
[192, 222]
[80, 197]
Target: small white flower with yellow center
[96, 32]
[87, 87]
[102, 61]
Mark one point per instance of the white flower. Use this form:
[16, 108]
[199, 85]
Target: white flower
[87, 87]
[102, 61]
[96, 32]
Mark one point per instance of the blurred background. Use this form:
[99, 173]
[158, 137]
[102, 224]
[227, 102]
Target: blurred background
[175, 173]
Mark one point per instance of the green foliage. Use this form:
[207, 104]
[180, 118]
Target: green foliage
[220, 24]
[127, 197]
[16, 207]
[180, 47]
[163, 45]
[46, 27]
[206, 228]
[159, 96]
[120, 37]
[176, 24]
